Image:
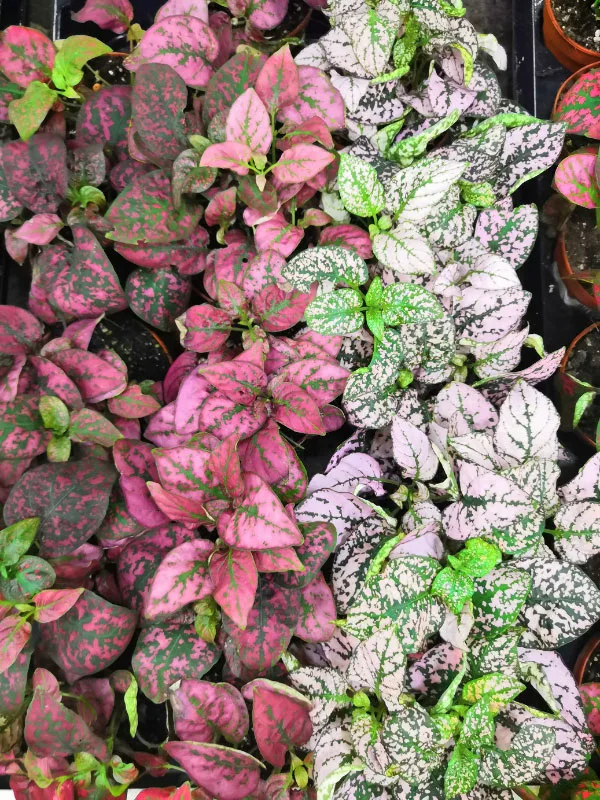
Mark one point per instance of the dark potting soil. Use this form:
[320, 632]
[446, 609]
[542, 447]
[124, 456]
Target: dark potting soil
[582, 242]
[591, 673]
[584, 364]
[578, 21]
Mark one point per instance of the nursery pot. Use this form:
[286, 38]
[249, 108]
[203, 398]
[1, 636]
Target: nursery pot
[571, 80]
[584, 657]
[567, 387]
[571, 55]
[573, 285]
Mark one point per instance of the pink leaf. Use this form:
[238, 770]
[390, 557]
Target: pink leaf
[227, 155]
[182, 8]
[267, 14]
[277, 84]
[111, 15]
[239, 380]
[279, 235]
[261, 522]
[40, 229]
[317, 97]
[14, 635]
[308, 131]
[136, 465]
[26, 55]
[318, 612]
[181, 578]
[575, 178]
[221, 209]
[184, 43]
[51, 604]
[301, 162]
[224, 773]
[248, 123]
[235, 579]
[95, 378]
[222, 416]
[280, 719]
[350, 236]
[296, 409]
[19, 330]
[203, 710]
[225, 465]
[16, 248]
[324, 380]
[186, 470]
[178, 370]
[282, 559]
[133, 403]
[177, 507]
[265, 453]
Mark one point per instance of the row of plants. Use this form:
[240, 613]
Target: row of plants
[330, 229]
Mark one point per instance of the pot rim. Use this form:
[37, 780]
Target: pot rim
[573, 78]
[587, 651]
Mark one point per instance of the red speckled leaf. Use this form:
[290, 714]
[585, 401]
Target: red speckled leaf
[111, 15]
[89, 637]
[20, 331]
[279, 310]
[70, 499]
[144, 212]
[260, 522]
[317, 96]
[10, 375]
[230, 81]
[158, 101]
[10, 208]
[95, 378]
[235, 579]
[225, 773]
[204, 328]
[158, 296]
[26, 55]
[14, 636]
[103, 119]
[51, 604]
[53, 730]
[22, 433]
[167, 653]
[36, 171]
[318, 613]
[181, 578]
[204, 710]
[277, 83]
[280, 719]
[184, 43]
[13, 684]
[320, 539]
[270, 626]
[139, 561]
[89, 286]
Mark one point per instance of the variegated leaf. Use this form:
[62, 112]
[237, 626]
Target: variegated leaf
[527, 425]
[411, 739]
[413, 451]
[361, 192]
[325, 263]
[325, 688]
[498, 598]
[414, 192]
[404, 250]
[378, 665]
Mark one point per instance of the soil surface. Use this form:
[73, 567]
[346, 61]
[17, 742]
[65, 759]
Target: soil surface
[582, 241]
[584, 364]
[578, 21]
[592, 670]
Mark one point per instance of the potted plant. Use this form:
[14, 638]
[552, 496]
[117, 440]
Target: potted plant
[570, 32]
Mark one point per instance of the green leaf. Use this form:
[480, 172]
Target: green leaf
[477, 558]
[453, 588]
[336, 313]
[55, 414]
[16, 540]
[130, 698]
[584, 401]
[58, 449]
[446, 701]
[74, 53]
[461, 772]
[360, 189]
[498, 599]
[374, 296]
[327, 263]
[207, 619]
[478, 726]
[406, 150]
[375, 322]
[501, 688]
[480, 195]
[28, 112]
[406, 302]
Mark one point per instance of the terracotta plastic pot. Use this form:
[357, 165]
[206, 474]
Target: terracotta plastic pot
[571, 80]
[584, 656]
[573, 285]
[571, 55]
[566, 384]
